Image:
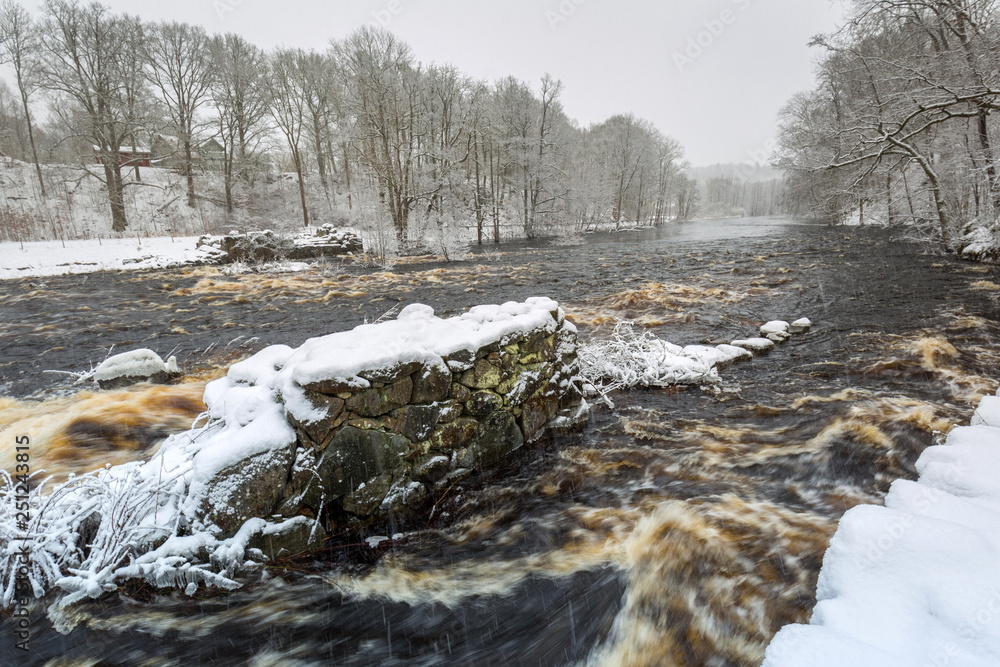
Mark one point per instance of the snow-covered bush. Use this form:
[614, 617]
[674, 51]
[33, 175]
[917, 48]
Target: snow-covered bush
[981, 242]
[91, 533]
[81, 532]
[446, 235]
[380, 241]
[631, 358]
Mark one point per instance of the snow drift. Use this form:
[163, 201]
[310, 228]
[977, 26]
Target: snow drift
[915, 582]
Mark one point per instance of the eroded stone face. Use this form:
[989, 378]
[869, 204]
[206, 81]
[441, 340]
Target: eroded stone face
[484, 374]
[251, 488]
[431, 384]
[366, 499]
[319, 431]
[450, 437]
[483, 404]
[293, 538]
[497, 437]
[377, 401]
[417, 422]
[538, 412]
[390, 436]
[355, 456]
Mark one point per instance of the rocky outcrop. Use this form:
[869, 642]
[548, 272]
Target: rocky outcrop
[328, 241]
[268, 246]
[387, 416]
[773, 333]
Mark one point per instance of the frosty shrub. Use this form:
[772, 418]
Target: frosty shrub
[630, 358]
[446, 235]
[92, 532]
[380, 242]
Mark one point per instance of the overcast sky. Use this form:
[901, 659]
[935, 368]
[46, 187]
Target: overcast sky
[719, 98]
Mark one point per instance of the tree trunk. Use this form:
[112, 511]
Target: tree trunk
[888, 198]
[134, 162]
[527, 226]
[320, 157]
[302, 186]
[228, 178]
[116, 192]
[479, 196]
[991, 171]
[31, 140]
[189, 170]
[638, 210]
[347, 177]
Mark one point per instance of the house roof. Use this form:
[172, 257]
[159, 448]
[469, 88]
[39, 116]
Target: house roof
[126, 149]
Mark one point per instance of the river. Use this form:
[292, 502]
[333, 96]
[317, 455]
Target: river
[682, 528]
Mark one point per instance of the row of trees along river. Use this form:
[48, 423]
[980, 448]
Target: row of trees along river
[361, 122]
[899, 125]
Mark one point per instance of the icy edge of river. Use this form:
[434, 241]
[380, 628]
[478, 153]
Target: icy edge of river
[915, 582]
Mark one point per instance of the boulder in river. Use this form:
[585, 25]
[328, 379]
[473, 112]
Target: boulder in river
[800, 326]
[755, 345]
[776, 331]
[128, 368]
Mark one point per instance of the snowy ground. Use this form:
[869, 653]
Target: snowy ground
[915, 583]
[53, 258]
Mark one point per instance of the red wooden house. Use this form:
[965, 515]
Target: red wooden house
[128, 156]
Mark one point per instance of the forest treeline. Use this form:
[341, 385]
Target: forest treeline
[364, 126]
[900, 125]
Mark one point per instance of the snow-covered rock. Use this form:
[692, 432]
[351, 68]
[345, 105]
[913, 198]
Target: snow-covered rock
[914, 582]
[800, 326]
[776, 331]
[981, 244]
[755, 345]
[268, 246]
[132, 367]
[382, 419]
[327, 241]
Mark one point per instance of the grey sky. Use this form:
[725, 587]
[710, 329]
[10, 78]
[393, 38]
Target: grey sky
[612, 57]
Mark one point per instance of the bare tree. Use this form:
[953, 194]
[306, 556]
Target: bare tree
[319, 86]
[180, 65]
[381, 82]
[19, 46]
[287, 83]
[240, 97]
[89, 64]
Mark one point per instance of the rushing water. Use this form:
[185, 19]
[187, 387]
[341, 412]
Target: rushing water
[682, 527]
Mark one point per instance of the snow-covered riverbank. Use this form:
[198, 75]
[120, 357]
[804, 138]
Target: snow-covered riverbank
[916, 582]
[54, 258]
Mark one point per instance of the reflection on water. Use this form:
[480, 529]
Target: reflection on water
[682, 528]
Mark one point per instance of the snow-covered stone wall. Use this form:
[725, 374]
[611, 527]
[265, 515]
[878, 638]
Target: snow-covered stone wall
[362, 424]
[916, 582]
[377, 419]
[267, 246]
